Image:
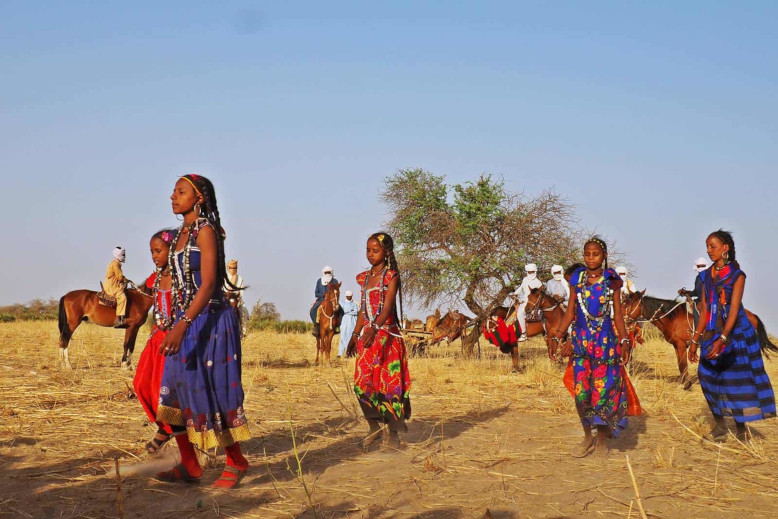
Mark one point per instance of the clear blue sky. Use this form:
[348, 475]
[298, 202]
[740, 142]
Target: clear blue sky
[659, 121]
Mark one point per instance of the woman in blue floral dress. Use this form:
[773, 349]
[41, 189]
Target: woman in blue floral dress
[597, 356]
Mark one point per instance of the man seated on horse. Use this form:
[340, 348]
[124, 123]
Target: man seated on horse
[233, 289]
[557, 287]
[695, 296]
[115, 284]
[629, 286]
[521, 294]
[321, 289]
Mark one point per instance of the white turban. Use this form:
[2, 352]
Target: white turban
[349, 293]
[557, 272]
[119, 254]
[621, 270]
[326, 276]
[700, 264]
[531, 267]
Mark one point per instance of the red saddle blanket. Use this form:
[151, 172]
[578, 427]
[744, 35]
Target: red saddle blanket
[501, 335]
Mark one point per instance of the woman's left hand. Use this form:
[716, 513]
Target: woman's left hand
[172, 341]
[367, 337]
[716, 349]
[626, 352]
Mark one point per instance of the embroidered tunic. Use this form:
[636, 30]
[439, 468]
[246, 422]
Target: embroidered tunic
[201, 386]
[381, 378]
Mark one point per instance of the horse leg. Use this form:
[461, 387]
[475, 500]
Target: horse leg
[67, 325]
[318, 347]
[683, 365]
[515, 358]
[129, 345]
[328, 351]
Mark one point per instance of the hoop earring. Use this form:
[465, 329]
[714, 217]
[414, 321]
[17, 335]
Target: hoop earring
[726, 256]
[197, 209]
[180, 219]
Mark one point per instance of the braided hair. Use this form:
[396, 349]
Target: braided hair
[726, 237]
[599, 241]
[166, 235]
[210, 211]
[387, 243]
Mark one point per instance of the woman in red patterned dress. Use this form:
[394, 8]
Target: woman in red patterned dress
[381, 379]
[148, 376]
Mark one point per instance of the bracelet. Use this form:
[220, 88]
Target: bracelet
[186, 319]
[374, 326]
[355, 334]
[556, 339]
[724, 338]
[695, 341]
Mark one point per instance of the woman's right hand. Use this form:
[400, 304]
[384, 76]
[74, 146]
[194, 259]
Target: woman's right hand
[567, 348]
[351, 349]
[693, 357]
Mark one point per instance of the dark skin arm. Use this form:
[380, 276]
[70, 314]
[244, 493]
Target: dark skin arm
[206, 241]
[718, 345]
[388, 311]
[567, 348]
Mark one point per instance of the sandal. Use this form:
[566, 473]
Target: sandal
[177, 473]
[230, 477]
[579, 451]
[157, 442]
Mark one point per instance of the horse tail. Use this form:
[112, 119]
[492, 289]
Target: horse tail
[765, 345]
[64, 327]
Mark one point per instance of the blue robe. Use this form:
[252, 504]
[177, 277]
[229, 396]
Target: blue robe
[319, 294]
[347, 325]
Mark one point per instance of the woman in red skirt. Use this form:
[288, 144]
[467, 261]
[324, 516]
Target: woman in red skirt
[381, 379]
[148, 377]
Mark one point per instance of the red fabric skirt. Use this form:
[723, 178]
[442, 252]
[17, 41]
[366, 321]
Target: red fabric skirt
[148, 376]
[633, 403]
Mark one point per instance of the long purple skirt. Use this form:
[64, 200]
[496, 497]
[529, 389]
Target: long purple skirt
[201, 386]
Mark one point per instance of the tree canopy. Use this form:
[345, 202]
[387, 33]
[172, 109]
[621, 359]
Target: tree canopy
[467, 244]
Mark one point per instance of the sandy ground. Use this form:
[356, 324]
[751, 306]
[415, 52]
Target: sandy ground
[483, 442]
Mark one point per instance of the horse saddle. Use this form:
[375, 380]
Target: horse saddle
[104, 299]
[535, 316]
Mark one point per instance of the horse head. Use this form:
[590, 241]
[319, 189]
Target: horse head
[332, 294]
[539, 298]
[633, 308]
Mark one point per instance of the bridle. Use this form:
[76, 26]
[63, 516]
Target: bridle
[542, 297]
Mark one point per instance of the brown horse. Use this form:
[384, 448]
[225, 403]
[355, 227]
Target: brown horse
[450, 327]
[328, 321]
[552, 310]
[677, 326]
[83, 305]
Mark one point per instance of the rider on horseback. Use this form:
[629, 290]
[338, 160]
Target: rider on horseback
[529, 282]
[115, 284]
[321, 289]
[557, 287]
[695, 296]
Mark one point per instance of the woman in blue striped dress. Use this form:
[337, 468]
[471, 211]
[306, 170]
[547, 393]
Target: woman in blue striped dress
[732, 374]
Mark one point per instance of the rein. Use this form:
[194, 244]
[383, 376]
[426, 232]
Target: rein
[537, 303]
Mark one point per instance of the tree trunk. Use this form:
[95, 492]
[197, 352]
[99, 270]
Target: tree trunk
[470, 339]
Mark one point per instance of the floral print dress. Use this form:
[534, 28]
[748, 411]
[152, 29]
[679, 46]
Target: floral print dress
[599, 383]
[381, 379]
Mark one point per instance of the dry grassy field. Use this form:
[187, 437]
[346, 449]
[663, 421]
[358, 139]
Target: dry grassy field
[483, 442]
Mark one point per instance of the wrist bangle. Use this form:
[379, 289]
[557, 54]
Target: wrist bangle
[186, 319]
[724, 338]
[694, 341]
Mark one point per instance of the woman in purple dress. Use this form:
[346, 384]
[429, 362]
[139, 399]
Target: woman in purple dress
[201, 397]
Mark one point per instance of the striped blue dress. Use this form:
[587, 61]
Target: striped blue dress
[734, 384]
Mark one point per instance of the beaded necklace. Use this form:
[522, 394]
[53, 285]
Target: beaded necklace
[162, 316]
[598, 320]
[183, 286]
[382, 286]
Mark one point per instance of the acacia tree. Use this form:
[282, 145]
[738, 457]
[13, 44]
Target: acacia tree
[467, 244]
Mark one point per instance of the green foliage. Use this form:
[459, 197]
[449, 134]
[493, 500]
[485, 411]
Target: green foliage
[281, 326]
[35, 310]
[7, 318]
[471, 247]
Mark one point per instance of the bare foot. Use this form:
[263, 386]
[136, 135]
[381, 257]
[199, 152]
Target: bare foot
[601, 449]
[372, 437]
[584, 448]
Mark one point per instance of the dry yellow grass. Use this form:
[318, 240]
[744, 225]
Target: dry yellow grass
[481, 438]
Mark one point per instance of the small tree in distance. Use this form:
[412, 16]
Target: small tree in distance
[468, 244]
